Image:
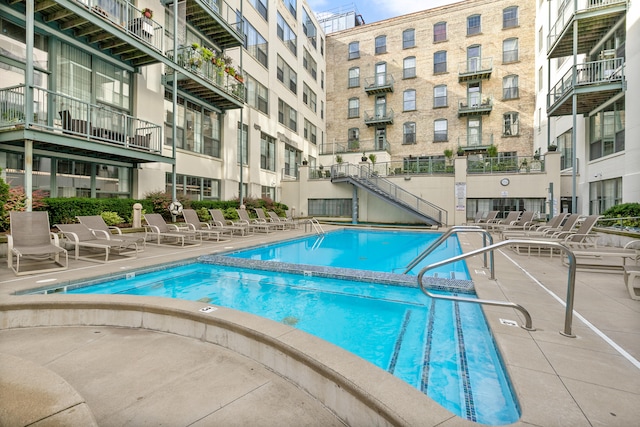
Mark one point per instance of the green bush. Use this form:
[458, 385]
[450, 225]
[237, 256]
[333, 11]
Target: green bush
[4, 212]
[625, 210]
[112, 218]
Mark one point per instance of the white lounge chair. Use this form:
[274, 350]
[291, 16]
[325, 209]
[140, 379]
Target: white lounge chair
[219, 222]
[81, 237]
[31, 239]
[101, 229]
[164, 233]
[193, 222]
[251, 223]
[632, 281]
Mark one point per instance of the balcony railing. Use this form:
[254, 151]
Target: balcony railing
[63, 114]
[372, 118]
[379, 84]
[474, 141]
[475, 68]
[123, 14]
[588, 73]
[515, 164]
[478, 104]
[565, 15]
[355, 146]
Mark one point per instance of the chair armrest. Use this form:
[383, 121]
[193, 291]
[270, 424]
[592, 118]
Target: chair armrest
[205, 226]
[71, 236]
[629, 245]
[106, 234]
[116, 229]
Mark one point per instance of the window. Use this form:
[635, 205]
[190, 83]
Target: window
[408, 38]
[564, 147]
[287, 116]
[510, 50]
[267, 152]
[353, 138]
[354, 50]
[243, 146]
[510, 87]
[409, 133]
[604, 194]
[440, 32]
[474, 58]
[308, 27]
[354, 108]
[310, 132]
[262, 6]
[540, 39]
[409, 100]
[381, 74]
[510, 17]
[473, 25]
[309, 63]
[606, 131]
[198, 129]
[381, 44]
[292, 5]
[440, 96]
[409, 67]
[440, 62]
[309, 97]
[287, 35]
[440, 130]
[322, 110]
[287, 76]
[510, 124]
[255, 44]
[291, 160]
[322, 80]
[354, 77]
[540, 79]
[257, 94]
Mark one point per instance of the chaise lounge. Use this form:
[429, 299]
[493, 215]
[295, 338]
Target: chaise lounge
[163, 233]
[31, 238]
[100, 228]
[81, 237]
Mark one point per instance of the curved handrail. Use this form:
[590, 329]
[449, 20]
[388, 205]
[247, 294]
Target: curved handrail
[571, 281]
[444, 236]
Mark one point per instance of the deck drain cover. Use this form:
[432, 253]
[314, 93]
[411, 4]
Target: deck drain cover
[508, 322]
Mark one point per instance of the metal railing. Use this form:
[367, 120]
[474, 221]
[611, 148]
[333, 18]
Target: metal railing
[364, 176]
[379, 82]
[565, 15]
[57, 112]
[475, 65]
[373, 116]
[476, 101]
[515, 164]
[475, 140]
[354, 146]
[571, 280]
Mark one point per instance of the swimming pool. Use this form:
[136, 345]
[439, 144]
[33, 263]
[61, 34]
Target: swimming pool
[443, 348]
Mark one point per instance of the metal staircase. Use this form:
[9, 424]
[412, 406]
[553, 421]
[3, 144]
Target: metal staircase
[362, 177]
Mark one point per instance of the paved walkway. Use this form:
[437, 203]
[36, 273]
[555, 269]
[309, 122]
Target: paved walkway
[133, 376]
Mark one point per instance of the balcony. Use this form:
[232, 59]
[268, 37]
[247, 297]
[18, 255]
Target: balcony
[377, 118]
[216, 19]
[71, 127]
[116, 27]
[594, 17]
[475, 69]
[205, 80]
[592, 82]
[378, 84]
[475, 142]
[354, 146]
[478, 105]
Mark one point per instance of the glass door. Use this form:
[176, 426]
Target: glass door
[381, 107]
[474, 132]
[381, 74]
[381, 138]
[473, 58]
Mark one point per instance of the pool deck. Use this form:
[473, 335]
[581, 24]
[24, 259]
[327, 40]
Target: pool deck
[123, 360]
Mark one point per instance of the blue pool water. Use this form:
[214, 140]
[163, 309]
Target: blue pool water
[441, 347]
[388, 251]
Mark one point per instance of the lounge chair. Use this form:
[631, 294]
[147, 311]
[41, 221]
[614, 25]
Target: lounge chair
[262, 218]
[81, 237]
[31, 238]
[170, 234]
[508, 220]
[476, 218]
[537, 229]
[607, 259]
[632, 281]
[290, 218]
[553, 232]
[218, 221]
[101, 229]
[491, 216]
[192, 221]
[252, 223]
[575, 238]
[524, 221]
[274, 217]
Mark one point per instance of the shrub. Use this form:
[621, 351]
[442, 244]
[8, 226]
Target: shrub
[112, 218]
[625, 210]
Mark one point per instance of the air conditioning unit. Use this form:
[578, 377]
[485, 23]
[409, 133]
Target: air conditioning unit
[608, 54]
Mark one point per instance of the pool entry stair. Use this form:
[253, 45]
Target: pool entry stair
[361, 176]
[571, 279]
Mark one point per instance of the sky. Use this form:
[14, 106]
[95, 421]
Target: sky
[377, 10]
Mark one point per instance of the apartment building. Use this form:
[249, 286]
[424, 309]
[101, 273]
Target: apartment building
[587, 64]
[203, 99]
[448, 78]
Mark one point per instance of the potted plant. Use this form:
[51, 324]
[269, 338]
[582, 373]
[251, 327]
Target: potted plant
[373, 158]
[239, 77]
[492, 151]
[147, 13]
[338, 159]
[536, 155]
[460, 151]
[448, 153]
[364, 157]
[552, 147]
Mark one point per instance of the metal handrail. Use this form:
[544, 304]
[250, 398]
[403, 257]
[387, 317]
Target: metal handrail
[444, 236]
[571, 281]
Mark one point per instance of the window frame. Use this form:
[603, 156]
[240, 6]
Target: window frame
[440, 135]
[409, 102]
[409, 41]
[437, 97]
[409, 72]
[508, 22]
[353, 53]
[380, 44]
[353, 81]
[512, 55]
[353, 111]
[409, 133]
[439, 64]
[437, 33]
[512, 123]
[473, 30]
[512, 91]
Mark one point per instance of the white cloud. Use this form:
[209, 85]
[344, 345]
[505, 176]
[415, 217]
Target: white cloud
[402, 7]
